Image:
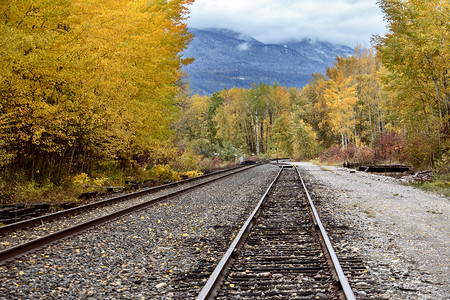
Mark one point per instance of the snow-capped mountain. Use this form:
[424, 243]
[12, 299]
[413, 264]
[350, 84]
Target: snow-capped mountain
[224, 58]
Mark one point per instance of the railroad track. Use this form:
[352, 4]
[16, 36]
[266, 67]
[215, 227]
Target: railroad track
[40, 241]
[281, 252]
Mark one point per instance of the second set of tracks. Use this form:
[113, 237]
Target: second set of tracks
[37, 241]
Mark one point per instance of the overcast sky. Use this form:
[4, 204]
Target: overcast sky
[349, 22]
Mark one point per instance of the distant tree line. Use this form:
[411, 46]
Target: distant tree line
[391, 103]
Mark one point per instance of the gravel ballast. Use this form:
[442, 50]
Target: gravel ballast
[168, 250]
[401, 232]
[165, 251]
[16, 237]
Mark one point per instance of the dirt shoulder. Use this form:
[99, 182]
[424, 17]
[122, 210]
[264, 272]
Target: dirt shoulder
[402, 232]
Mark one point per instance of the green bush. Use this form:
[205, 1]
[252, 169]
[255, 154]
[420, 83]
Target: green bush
[204, 147]
[227, 151]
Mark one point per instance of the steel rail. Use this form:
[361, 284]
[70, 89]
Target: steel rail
[342, 279]
[16, 251]
[213, 284]
[72, 211]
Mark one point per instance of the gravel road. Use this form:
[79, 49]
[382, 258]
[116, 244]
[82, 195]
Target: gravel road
[401, 232]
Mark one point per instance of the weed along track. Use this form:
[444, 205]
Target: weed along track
[280, 253]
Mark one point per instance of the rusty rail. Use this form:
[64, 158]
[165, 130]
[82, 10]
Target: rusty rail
[341, 278]
[216, 278]
[79, 209]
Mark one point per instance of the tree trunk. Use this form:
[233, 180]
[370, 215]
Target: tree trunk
[72, 154]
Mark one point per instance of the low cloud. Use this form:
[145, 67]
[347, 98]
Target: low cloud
[243, 47]
[349, 22]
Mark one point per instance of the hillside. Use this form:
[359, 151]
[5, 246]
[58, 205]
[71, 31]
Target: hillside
[225, 58]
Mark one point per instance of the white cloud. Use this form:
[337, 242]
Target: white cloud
[348, 22]
[243, 47]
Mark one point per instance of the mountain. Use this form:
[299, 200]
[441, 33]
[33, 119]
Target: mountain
[224, 58]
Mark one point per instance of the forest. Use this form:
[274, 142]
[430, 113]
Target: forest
[92, 93]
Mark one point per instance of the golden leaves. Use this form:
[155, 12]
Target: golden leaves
[98, 79]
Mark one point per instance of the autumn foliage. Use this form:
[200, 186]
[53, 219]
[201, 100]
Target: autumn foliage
[95, 88]
[84, 84]
[237, 122]
[349, 114]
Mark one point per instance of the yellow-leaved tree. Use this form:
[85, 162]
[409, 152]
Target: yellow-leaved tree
[416, 57]
[86, 83]
[340, 96]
